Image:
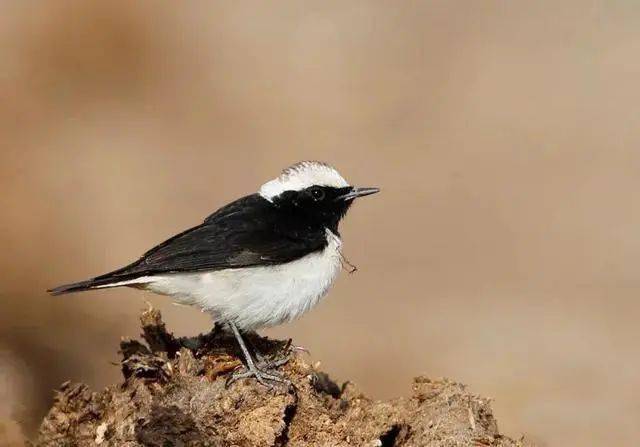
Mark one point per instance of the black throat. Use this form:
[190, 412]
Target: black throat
[314, 208]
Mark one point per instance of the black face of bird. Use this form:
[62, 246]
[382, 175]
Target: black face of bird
[320, 205]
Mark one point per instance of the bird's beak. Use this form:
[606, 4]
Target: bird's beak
[358, 192]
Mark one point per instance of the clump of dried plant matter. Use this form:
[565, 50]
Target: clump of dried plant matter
[174, 394]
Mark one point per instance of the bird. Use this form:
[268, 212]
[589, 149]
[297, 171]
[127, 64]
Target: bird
[260, 261]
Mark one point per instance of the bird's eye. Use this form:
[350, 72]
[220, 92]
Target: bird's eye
[317, 193]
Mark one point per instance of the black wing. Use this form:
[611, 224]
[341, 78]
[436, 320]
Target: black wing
[247, 232]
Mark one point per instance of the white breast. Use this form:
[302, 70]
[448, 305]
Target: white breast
[255, 297]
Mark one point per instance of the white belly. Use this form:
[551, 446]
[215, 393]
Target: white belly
[255, 297]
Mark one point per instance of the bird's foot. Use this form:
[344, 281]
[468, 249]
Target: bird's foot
[268, 379]
[283, 357]
[268, 364]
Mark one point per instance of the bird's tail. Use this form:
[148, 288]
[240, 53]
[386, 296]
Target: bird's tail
[101, 282]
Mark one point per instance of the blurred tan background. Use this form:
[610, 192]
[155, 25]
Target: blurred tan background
[503, 252]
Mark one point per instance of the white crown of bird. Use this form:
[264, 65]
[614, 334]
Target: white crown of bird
[303, 175]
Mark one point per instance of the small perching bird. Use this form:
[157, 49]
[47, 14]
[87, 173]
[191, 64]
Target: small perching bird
[259, 261]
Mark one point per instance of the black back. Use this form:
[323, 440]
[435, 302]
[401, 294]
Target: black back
[250, 231]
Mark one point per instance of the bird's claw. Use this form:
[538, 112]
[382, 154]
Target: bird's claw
[266, 379]
[270, 365]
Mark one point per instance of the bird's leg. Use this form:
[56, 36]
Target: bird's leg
[251, 369]
[282, 357]
[278, 360]
[288, 351]
[260, 358]
[267, 362]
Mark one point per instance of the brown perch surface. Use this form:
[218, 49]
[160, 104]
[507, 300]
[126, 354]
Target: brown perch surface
[174, 394]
